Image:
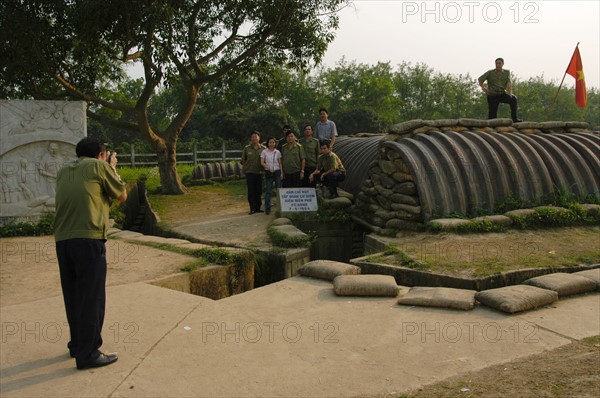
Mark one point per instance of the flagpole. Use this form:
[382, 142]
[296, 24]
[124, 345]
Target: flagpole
[559, 87]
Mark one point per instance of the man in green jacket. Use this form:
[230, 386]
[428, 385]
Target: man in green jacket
[293, 160]
[330, 169]
[499, 90]
[312, 149]
[85, 190]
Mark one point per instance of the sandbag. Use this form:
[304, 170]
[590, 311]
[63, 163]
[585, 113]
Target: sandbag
[516, 298]
[593, 274]
[327, 269]
[365, 285]
[562, 283]
[442, 297]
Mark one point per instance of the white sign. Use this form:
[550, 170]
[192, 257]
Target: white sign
[298, 199]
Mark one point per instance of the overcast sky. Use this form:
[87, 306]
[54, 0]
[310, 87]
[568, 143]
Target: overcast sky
[535, 38]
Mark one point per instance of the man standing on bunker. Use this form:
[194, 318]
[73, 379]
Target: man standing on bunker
[325, 129]
[499, 90]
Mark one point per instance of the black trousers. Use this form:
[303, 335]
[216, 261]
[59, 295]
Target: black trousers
[254, 183]
[292, 180]
[82, 265]
[306, 180]
[331, 181]
[495, 100]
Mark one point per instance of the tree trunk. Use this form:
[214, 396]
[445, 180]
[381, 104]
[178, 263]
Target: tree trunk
[169, 179]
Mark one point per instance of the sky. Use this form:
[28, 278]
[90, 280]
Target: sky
[535, 38]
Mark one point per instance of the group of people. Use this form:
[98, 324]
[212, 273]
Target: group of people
[291, 162]
[86, 188]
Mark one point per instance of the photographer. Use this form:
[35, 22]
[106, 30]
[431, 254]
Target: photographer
[84, 191]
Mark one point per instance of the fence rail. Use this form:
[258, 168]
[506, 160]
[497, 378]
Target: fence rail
[134, 159]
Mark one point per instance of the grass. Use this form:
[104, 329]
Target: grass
[234, 190]
[592, 341]
[205, 256]
[489, 254]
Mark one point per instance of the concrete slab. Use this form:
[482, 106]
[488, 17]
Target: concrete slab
[573, 317]
[33, 353]
[156, 239]
[125, 234]
[291, 338]
[296, 338]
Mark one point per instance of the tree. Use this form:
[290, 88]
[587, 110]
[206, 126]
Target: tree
[359, 120]
[80, 49]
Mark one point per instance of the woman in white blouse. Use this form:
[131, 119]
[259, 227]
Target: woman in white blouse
[270, 159]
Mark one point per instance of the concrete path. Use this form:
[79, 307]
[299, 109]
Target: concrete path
[292, 338]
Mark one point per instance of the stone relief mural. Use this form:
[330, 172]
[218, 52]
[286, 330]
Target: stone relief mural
[36, 139]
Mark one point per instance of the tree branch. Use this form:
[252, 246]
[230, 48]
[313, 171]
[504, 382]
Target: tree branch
[129, 126]
[73, 91]
[205, 59]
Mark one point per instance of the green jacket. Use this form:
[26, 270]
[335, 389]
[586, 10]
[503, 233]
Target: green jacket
[84, 191]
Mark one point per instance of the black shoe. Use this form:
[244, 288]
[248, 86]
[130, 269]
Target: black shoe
[102, 360]
[267, 212]
[517, 120]
[251, 212]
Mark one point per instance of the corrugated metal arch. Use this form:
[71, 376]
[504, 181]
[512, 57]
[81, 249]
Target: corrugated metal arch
[356, 153]
[469, 171]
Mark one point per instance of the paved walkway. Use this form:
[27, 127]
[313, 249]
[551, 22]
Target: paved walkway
[292, 338]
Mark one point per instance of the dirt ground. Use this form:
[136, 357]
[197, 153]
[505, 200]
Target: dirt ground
[569, 371]
[29, 268]
[213, 216]
[29, 272]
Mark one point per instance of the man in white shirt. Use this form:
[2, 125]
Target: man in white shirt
[325, 128]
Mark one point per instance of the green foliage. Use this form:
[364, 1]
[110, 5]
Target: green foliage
[237, 124]
[553, 217]
[511, 203]
[193, 266]
[325, 215]
[593, 341]
[182, 45]
[45, 226]
[481, 226]
[150, 175]
[216, 256]
[546, 216]
[360, 120]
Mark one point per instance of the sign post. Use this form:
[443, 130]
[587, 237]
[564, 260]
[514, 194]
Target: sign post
[298, 200]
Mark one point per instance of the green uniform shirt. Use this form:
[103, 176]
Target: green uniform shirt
[330, 161]
[312, 149]
[291, 157]
[84, 189]
[497, 82]
[251, 159]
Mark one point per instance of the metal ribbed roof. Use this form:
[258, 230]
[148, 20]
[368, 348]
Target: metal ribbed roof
[356, 153]
[470, 172]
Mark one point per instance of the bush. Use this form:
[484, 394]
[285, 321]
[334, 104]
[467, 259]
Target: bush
[45, 226]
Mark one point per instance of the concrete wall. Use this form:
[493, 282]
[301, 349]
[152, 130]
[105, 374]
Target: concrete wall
[37, 138]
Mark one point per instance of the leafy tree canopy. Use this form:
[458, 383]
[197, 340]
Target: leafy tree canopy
[80, 49]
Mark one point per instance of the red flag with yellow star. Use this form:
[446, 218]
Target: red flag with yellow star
[575, 69]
